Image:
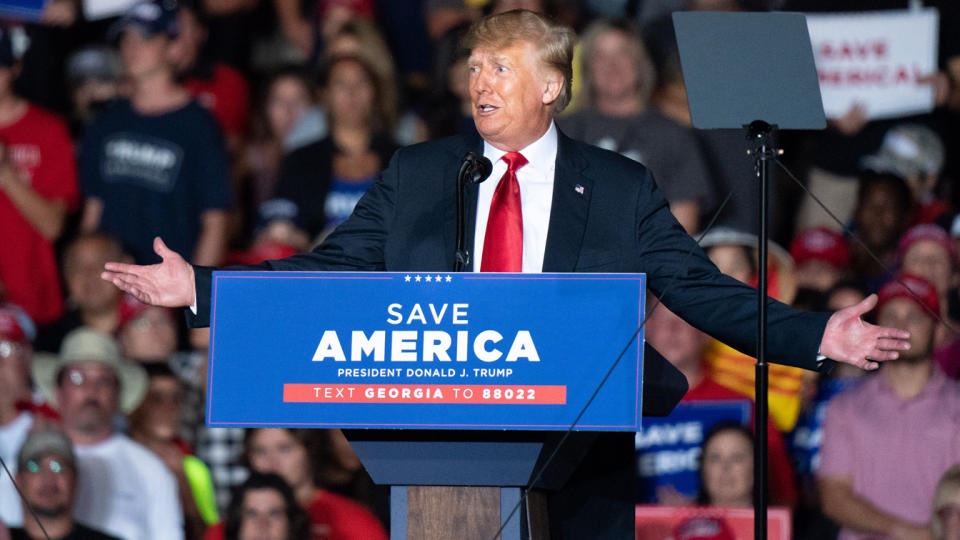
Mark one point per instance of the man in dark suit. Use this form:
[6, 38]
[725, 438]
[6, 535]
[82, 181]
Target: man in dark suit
[560, 206]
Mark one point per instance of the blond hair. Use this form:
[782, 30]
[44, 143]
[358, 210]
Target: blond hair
[554, 42]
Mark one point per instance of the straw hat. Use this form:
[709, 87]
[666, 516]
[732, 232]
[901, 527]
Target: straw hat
[87, 345]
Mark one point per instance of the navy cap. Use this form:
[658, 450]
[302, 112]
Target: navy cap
[149, 18]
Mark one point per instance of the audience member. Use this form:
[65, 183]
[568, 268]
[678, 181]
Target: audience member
[881, 215]
[123, 488]
[286, 97]
[264, 508]
[38, 187]
[805, 440]
[16, 354]
[156, 425]
[91, 302]
[726, 467]
[448, 110]
[361, 38]
[292, 454]
[945, 523]
[155, 165]
[220, 448]
[927, 251]
[215, 85]
[916, 154]
[735, 254]
[278, 225]
[614, 113]
[47, 476]
[685, 346]
[878, 472]
[146, 334]
[821, 256]
[326, 179]
[93, 79]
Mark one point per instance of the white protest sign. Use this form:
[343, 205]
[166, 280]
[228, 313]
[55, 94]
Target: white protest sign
[101, 9]
[875, 59]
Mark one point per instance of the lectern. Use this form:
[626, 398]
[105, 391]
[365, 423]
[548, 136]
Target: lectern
[458, 390]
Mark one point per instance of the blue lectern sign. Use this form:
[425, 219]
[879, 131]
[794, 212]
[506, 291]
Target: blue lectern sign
[418, 350]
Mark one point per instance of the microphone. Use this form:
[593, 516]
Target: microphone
[473, 170]
[476, 168]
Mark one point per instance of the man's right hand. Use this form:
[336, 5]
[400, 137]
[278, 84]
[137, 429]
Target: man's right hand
[168, 284]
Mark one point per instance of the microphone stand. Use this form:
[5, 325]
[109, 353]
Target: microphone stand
[474, 169]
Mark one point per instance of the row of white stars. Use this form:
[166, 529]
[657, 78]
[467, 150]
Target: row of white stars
[428, 278]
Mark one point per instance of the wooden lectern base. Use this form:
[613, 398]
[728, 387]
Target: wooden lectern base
[427, 512]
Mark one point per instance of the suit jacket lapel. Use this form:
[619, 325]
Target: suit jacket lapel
[469, 143]
[569, 209]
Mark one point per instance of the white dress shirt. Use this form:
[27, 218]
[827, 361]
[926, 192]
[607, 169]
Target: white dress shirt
[536, 197]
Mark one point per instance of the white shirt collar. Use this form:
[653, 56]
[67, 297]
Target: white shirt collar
[541, 154]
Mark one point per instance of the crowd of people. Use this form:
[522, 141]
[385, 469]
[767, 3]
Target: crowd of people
[240, 131]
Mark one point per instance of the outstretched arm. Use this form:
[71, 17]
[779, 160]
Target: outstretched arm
[849, 339]
[169, 283]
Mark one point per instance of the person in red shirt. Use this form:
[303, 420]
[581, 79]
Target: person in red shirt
[683, 345]
[38, 188]
[293, 454]
[216, 86]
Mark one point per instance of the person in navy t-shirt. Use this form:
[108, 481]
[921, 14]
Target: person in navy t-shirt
[155, 164]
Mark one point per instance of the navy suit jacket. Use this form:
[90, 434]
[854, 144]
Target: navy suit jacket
[607, 215]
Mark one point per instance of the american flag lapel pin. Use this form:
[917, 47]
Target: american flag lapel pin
[579, 189]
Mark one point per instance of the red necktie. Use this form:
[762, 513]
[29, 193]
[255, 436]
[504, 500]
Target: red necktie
[503, 241]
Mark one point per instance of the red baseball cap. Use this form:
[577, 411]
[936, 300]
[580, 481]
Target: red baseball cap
[929, 232]
[130, 309]
[924, 293]
[820, 244]
[15, 324]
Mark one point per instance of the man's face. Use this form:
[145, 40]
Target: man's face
[88, 396]
[82, 269]
[510, 92]
[929, 260]
[48, 485]
[143, 55]
[152, 336]
[907, 315]
[879, 218]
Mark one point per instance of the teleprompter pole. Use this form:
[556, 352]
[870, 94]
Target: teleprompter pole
[761, 133]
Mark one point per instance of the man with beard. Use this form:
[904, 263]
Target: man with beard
[878, 471]
[122, 487]
[47, 476]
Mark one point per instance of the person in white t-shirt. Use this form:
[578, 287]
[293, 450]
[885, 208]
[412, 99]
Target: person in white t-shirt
[16, 334]
[123, 489]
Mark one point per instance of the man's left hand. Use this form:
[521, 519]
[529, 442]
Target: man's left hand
[849, 339]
